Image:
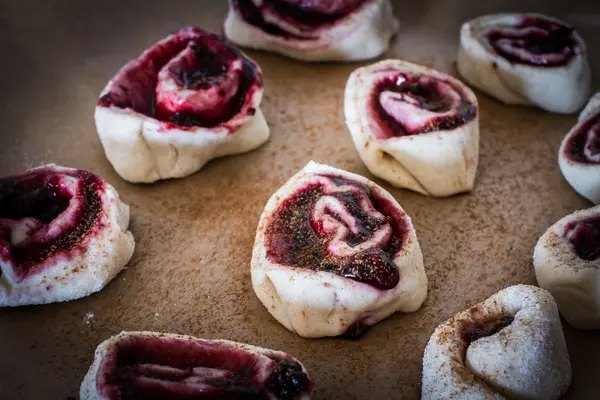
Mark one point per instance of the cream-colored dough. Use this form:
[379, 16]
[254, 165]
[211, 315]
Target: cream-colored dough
[437, 163]
[527, 359]
[107, 251]
[319, 303]
[559, 89]
[364, 34]
[574, 282]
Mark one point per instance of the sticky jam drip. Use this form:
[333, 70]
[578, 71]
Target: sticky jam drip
[584, 143]
[193, 78]
[584, 236]
[535, 41]
[305, 15]
[30, 202]
[356, 233]
[474, 331]
[150, 367]
[406, 104]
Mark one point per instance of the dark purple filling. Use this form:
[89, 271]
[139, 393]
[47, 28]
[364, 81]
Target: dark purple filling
[305, 15]
[134, 86]
[429, 98]
[38, 195]
[473, 332]
[552, 44]
[293, 240]
[148, 368]
[587, 135]
[584, 236]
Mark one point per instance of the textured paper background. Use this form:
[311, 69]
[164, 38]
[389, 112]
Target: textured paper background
[190, 272]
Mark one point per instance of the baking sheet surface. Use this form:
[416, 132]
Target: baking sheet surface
[190, 271]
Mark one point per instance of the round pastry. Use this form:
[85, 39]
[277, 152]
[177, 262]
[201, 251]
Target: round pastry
[188, 99]
[579, 153]
[415, 127]
[509, 346]
[330, 30]
[149, 365]
[527, 59]
[334, 254]
[567, 264]
[63, 235]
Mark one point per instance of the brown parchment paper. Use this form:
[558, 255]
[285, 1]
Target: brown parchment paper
[190, 271]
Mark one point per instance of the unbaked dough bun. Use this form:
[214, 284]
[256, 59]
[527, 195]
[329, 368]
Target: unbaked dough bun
[187, 99]
[526, 59]
[150, 365]
[567, 264]
[509, 346]
[63, 235]
[307, 30]
[413, 126]
[335, 254]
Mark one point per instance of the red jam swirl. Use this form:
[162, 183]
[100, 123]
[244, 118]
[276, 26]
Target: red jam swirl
[584, 236]
[30, 202]
[535, 41]
[404, 104]
[305, 15]
[341, 226]
[192, 78]
[583, 145]
[149, 367]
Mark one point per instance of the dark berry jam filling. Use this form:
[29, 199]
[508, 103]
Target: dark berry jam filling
[584, 236]
[476, 331]
[150, 367]
[37, 198]
[535, 41]
[197, 60]
[423, 92]
[294, 239]
[583, 145]
[305, 15]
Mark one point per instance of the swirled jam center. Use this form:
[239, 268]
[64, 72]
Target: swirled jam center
[44, 213]
[407, 104]
[583, 145]
[339, 225]
[193, 78]
[304, 15]
[584, 236]
[150, 367]
[535, 41]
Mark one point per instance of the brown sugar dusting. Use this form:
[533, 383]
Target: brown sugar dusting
[292, 239]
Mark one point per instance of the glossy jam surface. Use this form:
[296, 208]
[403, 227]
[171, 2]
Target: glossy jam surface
[150, 367]
[473, 332]
[195, 61]
[295, 238]
[406, 104]
[583, 145]
[584, 236]
[304, 15]
[535, 41]
[31, 202]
